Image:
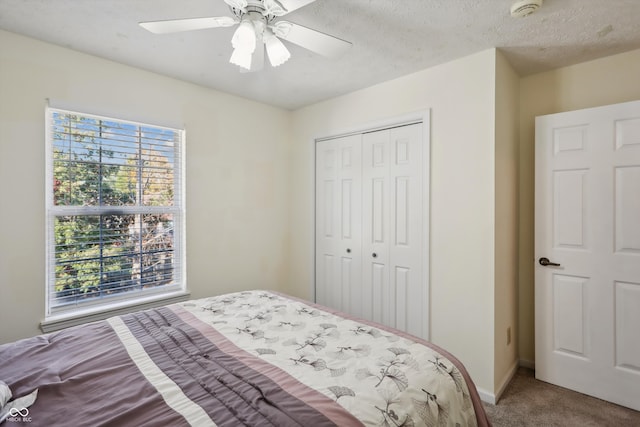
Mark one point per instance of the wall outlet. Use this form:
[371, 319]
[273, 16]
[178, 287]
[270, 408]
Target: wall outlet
[509, 335]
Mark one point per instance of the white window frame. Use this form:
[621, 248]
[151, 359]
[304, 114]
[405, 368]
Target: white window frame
[62, 316]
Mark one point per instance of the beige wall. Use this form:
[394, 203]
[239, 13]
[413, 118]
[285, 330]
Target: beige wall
[601, 82]
[462, 193]
[241, 178]
[506, 220]
[237, 201]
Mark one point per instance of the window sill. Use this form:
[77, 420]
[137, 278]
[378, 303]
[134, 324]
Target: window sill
[57, 322]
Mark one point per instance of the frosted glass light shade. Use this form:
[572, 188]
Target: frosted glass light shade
[241, 58]
[276, 50]
[245, 37]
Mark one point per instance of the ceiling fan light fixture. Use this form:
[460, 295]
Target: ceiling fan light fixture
[258, 28]
[241, 58]
[276, 50]
[244, 38]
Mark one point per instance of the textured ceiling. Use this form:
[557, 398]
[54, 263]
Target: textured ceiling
[390, 39]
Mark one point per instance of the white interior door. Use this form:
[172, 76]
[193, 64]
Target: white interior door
[338, 224]
[394, 293]
[587, 202]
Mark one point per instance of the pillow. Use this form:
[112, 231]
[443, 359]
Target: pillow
[5, 394]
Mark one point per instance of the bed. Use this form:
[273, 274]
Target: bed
[254, 358]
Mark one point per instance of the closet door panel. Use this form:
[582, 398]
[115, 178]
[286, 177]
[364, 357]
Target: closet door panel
[377, 284]
[407, 219]
[338, 213]
[326, 175]
[349, 244]
[375, 224]
[392, 226]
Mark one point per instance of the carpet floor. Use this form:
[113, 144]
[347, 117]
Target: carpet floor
[529, 402]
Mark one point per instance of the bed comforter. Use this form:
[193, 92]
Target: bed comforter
[250, 358]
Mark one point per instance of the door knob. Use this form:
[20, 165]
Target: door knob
[348, 250]
[545, 261]
[374, 254]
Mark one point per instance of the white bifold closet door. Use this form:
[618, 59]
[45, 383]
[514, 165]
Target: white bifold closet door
[338, 224]
[370, 227]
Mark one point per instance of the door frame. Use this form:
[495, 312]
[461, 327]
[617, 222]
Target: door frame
[423, 117]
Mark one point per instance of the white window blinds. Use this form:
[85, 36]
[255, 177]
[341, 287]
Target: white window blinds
[115, 210]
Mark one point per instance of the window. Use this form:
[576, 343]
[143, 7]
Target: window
[114, 211]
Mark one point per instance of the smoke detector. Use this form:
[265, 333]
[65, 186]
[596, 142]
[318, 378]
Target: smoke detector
[523, 8]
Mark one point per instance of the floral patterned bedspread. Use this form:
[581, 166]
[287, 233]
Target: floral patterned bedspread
[380, 377]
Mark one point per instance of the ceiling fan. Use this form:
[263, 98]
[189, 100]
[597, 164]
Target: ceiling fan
[259, 29]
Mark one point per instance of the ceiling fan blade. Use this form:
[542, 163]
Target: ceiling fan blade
[177, 25]
[257, 60]
[291, 5]
[315, 41]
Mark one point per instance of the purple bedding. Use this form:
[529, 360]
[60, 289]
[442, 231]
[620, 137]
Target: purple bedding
[249, 358]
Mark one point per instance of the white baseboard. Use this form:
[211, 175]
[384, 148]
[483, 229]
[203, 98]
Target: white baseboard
[492, 398]
[507, 379]
[486, 397]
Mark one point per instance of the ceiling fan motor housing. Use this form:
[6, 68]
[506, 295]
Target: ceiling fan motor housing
[525, 7]
[259, 6]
